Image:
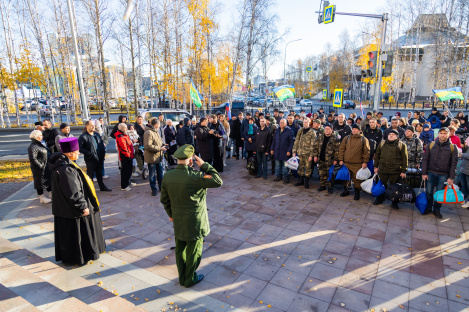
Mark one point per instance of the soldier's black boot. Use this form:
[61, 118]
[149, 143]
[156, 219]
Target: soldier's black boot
[306, 180]
[379, 200]
[286, 179]
[330, 190]
[300, 181]
[345, 192]
[357, 194]
[321, 188]
[394, 206]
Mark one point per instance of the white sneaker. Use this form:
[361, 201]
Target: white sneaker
[133, 183]
[135, 174]
[105, 177]
[465, 205]
[95, 180]
[126, 189]
[44, 200]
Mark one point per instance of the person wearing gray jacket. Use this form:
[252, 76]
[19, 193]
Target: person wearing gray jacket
[64, 133]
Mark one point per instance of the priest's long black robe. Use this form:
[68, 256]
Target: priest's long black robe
[78, 238]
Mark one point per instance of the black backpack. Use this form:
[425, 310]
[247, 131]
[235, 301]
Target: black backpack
[252, 165]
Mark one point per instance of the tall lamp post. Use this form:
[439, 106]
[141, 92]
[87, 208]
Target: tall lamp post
[285, 58]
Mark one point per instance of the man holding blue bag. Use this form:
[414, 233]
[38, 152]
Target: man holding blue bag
[390, 162]
[439, 166]
[354, 152]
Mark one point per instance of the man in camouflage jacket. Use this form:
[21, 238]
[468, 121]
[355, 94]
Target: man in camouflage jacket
[414, 148]
[303, 147]
[326, 156]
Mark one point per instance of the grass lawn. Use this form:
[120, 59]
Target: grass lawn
[15, 171]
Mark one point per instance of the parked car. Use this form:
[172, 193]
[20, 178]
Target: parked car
[174, 114]
[46, 110]
[349, 104]
[306, 103]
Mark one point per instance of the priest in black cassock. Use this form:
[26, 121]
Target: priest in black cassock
[78, 231]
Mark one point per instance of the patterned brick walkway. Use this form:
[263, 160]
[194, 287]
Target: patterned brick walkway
[272, 247]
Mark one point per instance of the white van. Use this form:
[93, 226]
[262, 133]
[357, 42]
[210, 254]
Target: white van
[174, 114]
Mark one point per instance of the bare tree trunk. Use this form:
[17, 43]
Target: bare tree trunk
[133, 68]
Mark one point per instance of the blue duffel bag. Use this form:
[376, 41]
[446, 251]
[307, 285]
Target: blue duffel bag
[421, 201]
[449, 196]
[343, 174]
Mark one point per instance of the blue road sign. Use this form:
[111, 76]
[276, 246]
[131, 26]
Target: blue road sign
[324, 94]
[329, 14]
[309, 69]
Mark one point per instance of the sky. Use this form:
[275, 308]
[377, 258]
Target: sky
[300, 17]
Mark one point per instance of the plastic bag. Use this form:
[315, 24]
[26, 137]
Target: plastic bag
[363, 174]
[378, 187]
[421, 201]
[368, 184]
[252, 165]
[449, 196]
[292, 163]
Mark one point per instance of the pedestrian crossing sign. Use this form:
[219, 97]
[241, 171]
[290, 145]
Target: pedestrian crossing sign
[338, 97]
[329, 13]
[309, 69]
[324, 94]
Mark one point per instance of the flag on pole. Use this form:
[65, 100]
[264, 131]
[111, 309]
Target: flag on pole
[228, 111]
[195, 95]
[449, 94]
[361, 108]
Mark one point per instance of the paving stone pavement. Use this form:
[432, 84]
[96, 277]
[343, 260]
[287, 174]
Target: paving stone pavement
[272, 247]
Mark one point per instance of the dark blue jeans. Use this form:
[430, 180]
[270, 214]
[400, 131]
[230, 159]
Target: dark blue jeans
[262, 165]
[438, 181]
[465, 185]
[280, 169]
[155, 172]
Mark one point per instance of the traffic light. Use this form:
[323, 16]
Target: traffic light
[372, 65]
[387, 71]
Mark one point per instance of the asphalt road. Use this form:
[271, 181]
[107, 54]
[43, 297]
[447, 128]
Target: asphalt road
[33, 117]
[17, 143]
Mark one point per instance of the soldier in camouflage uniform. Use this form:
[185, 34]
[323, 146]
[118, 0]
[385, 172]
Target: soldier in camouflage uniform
[414, 148]
[327, 155]
[303, 147]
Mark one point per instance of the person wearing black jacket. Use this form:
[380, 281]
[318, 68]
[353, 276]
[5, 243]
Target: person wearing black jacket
[49, 134]
[92, 147]
[395, 126]
[204, 137]
[235, 134]
[262, 141]
[78, 232]
[374, 135]
[122, 119]
[185, 135]
[140, 128]
[341, 127]
[38, 158]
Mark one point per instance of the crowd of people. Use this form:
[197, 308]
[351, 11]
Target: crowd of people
[431, 149]
[428, 146]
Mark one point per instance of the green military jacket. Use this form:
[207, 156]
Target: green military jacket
[183, 194]
[304, 143]
[332, 148]
[391, 157]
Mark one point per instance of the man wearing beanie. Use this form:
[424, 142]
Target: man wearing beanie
[64, 133]
[354, 152]
[414, 148]
[78, 233]
[390, 162]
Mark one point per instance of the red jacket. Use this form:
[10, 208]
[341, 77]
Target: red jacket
[455, 140]
[124, 145]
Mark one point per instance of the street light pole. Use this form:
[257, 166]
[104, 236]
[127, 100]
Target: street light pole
[285, 58]
[84, 106]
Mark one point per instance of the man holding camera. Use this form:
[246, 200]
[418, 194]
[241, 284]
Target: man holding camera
[154, 149]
